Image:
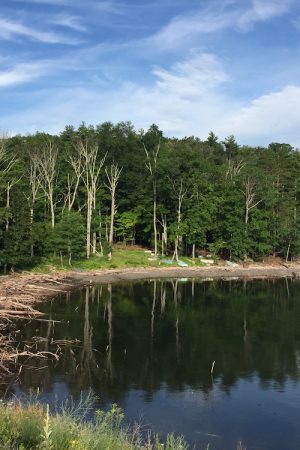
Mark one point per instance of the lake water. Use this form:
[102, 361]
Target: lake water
[150, 346]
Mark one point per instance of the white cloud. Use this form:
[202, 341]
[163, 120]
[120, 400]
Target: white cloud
[182, 100]
[262, 11]
[272, 117]
[187, 99]
[214, 18]
[191, 78]
[10, 30]
[21, 73]
[187, 26]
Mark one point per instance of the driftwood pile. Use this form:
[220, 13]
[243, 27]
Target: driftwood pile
[19, 293]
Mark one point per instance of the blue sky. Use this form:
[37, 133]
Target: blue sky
[231, 66]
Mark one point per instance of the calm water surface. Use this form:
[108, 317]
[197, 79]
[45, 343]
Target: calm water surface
[149, 347]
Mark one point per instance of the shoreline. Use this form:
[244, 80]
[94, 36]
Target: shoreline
[20, 291]
[255, 271]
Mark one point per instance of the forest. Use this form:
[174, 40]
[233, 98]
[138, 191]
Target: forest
[74, 195]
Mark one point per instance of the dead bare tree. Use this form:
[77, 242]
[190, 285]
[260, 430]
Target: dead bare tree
[34, 184]
[233, 169]
[151, 164]
[6, 160]
[180, 192]
[249, 192]
[113, 175]
[164, 235]
[9, 185]
[45, 160]
[76, 162]
[88, 166]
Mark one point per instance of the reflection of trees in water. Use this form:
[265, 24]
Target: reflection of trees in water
[109, 363]
[248, 328]
[175, 300]
[153, 311]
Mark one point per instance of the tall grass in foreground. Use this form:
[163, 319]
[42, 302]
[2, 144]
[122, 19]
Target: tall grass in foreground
[32, 426]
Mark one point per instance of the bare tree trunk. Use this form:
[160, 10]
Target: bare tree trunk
[164, 236]
[100, 233]
[10, 185]
[288, 252]
[87, 167]
[7, 205]
[193, 250]
[52, 211]
[88, 227]
[70, 253]
[175, 254]
[113, 178]
[94, 247]
[180, 192]
[154, 217]
[151, 165]
[31, 227]
[250, 203]
[7, 218]
[112, 217]
[35, 183]
[7, 162]
[45, 162]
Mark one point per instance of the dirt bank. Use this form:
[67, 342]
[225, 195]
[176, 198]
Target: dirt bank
[20, 292]
[253, 271]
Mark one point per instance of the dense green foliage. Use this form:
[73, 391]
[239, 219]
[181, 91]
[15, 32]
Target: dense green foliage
[56, 199]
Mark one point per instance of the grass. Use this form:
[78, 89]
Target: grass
[123, 257]
[31, 426]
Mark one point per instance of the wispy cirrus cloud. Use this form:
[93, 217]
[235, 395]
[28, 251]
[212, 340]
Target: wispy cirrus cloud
[176, 100]
[192, 77]
[187, 99]
[11, 30]
[262, 11]
[185, 26]
[65, 21]
[22, 73]
[183, 64]
[211, 19]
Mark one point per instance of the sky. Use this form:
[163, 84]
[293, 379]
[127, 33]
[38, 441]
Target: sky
[190, 66]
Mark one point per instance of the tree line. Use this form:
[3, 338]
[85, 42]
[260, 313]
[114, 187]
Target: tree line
[75, 194]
